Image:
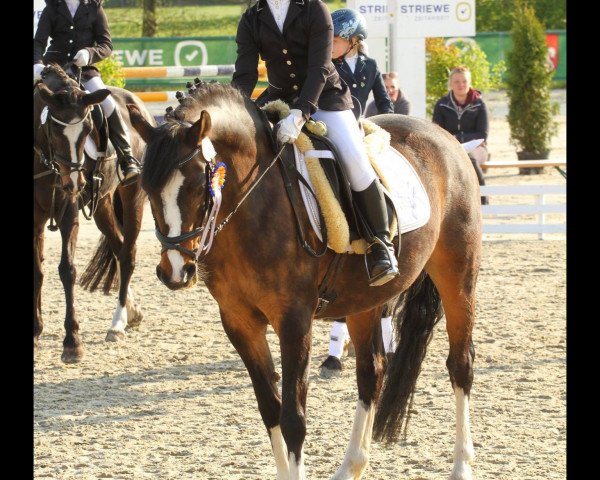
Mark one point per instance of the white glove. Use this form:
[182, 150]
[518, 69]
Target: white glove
[82, 58]
[290, 126]
[37, 71]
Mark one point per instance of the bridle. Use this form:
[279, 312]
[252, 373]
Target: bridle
[52, 161]
[54, 158]
[208, 228]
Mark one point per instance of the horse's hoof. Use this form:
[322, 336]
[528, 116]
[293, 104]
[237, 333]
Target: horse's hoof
[276, 377]
[331, 367]
[134, 321]
[114, 336]
[72, 354]
[461, 471]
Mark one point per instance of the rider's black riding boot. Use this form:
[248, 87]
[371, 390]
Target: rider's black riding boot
[371, 203]
[119, 136]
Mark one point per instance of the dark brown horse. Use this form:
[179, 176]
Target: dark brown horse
[259, 273]
[60, 170]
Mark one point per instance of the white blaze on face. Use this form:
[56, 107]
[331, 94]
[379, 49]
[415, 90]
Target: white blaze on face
[172, 216]
[72, 134]
[280, 452]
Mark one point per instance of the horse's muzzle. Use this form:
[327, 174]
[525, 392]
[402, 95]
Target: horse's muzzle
[188, 278]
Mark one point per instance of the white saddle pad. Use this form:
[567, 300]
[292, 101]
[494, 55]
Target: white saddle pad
[407, 192]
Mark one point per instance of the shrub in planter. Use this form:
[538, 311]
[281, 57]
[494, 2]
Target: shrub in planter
[530, 110]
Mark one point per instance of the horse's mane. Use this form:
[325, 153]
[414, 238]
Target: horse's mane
[231, 120]
[66, 88]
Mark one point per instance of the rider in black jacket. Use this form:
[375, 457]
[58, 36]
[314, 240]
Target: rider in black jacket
[295, 39]
[80, 36]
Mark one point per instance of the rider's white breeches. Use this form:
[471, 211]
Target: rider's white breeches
[343, 131]
[108, 105]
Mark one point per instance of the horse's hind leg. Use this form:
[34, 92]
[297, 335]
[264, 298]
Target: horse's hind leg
[248, 336]
[364, 332]
[455, 276]
[69, 228]
[132, 204]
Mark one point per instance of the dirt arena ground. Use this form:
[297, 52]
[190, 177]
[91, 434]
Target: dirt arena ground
[174, 401]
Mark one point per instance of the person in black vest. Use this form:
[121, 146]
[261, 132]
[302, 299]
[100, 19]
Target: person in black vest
[354, 66]
[80, 36]
[399, 100]
[295, 37]
[464, 114]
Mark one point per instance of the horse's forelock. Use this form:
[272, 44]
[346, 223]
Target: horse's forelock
[162, 156]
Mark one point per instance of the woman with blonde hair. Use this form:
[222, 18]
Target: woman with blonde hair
[464, 114]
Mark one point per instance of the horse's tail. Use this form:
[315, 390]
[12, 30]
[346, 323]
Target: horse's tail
[103, 267]
[416, 313]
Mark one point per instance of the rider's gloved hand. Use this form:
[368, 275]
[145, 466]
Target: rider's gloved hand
[290, 126]
[82, 58]
[37, 71]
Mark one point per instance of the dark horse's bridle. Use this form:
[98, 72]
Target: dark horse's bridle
[52, 162]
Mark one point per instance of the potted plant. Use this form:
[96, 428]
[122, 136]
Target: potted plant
[530, 110]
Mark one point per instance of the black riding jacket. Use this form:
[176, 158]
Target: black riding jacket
[88, 29]
[298, 60]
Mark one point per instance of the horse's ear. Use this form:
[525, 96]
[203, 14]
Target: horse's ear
[140, 123]
[200, 129]
[47, 94]
[95, 97]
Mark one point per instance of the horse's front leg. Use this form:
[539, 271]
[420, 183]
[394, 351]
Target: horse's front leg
[295, 334]
[364, 331]
[69, 228]
[38, 278]
[247, 333]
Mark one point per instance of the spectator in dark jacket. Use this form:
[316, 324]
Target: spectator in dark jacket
[350, 58]
[464, 114]
[392, 86]
[80, 37]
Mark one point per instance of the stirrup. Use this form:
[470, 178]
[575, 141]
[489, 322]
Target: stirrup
[386, 275]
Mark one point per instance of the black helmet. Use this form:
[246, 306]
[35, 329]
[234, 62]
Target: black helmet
[348, 23]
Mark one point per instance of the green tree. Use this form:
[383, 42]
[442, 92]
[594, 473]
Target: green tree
[442, 58]
[530, 110]
[149, 19]
[496, 15]
[111, 71]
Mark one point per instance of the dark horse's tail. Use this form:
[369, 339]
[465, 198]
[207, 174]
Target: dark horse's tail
[103, 267]
[415, 314]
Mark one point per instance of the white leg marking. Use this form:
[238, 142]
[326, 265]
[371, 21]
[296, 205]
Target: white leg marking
[463, 449]
[280, 452]
[119, 321]
[172, 216]
[297, 466]
[357, 454]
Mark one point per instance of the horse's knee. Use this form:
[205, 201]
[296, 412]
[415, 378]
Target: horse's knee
[66, 272]
[460, 369]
